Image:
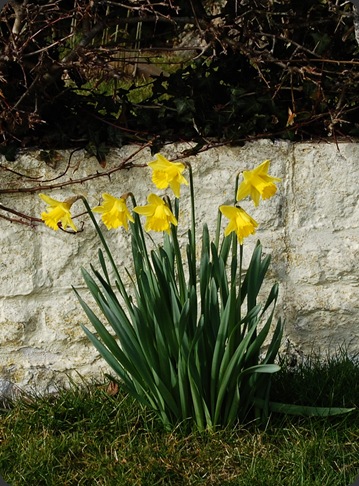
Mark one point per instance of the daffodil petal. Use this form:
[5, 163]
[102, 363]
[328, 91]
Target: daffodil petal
[144, 210]
[155, 200]
[49, 200]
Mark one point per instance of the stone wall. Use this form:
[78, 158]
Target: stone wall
[310, 227]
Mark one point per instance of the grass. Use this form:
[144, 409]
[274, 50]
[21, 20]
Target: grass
[92, 436]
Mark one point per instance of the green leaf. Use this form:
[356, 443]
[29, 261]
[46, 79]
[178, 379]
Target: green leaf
[305, 411]
[230, 373]
[219, 273]
[261, 368]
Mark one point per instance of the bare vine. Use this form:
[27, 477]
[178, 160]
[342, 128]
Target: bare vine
[95, 74]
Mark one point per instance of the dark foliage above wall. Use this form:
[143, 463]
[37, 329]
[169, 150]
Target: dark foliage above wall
[98, 73]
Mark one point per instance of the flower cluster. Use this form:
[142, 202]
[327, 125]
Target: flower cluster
[257, 183]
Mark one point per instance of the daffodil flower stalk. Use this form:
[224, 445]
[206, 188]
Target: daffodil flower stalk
[192, 232]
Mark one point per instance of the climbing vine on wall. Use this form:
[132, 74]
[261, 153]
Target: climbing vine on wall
[97, 74]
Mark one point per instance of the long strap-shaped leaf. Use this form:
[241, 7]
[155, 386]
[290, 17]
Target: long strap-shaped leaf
[306, 411]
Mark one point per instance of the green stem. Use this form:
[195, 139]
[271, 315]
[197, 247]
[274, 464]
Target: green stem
[192, 237]
[178, 257]
[218, 229]
[236, 187]
[141, 234]
[176, 211]
[193, 210]
[234, 261]
[181, 276]
[102, 238]
[240, 281]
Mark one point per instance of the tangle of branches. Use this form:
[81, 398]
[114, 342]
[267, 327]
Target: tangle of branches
[95, 74]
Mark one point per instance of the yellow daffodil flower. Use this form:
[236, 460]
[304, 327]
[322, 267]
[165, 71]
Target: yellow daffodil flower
[166, 173]
[114, 212]
[58, 212]
[257, 183]
[158, 214]
[239, 221]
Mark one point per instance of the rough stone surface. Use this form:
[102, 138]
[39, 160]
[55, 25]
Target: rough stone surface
[310, 228]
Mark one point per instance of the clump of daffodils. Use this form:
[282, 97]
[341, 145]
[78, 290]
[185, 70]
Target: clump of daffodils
[185, 334]
[256, 184]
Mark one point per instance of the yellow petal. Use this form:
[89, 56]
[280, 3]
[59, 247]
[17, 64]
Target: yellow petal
[67, 221]
[243, 191]
[49, 200]
[176, 188]
[262, 168]
[145, 210]
[228, 211]
[255, 195]
[164, 164]
[156, 200]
